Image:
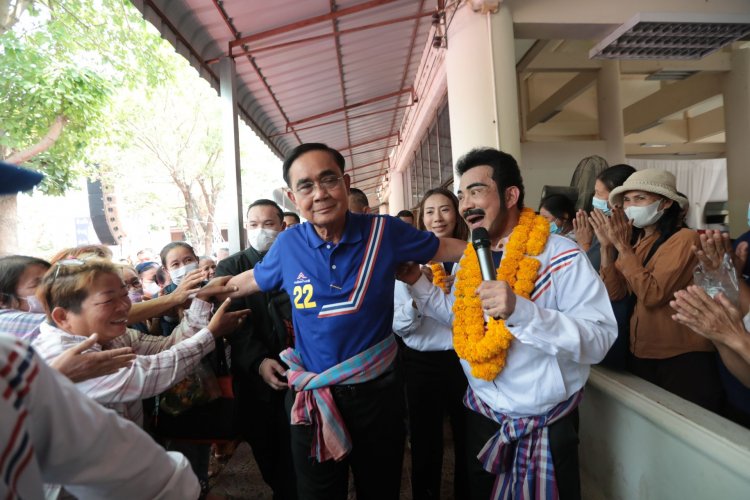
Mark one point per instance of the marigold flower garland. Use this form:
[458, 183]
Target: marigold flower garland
[438, 276]
[485, 346]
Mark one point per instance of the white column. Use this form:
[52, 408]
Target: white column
[482, 87]
[609, 110]
[231, 141]
[396, 198]
[737, 126]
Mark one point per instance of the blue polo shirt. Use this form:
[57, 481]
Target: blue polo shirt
[342, 294]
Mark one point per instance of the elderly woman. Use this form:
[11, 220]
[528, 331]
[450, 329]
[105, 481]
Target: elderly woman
[646, 253]
[82, 298]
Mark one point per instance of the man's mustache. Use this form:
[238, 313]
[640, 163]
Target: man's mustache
[472, 211]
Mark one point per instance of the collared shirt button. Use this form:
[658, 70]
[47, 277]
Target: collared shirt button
[328, 247]
[333, 266]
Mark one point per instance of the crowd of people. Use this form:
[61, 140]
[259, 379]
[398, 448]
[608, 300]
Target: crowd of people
[349, 334]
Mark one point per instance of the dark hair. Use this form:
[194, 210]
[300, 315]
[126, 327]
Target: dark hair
[359, 196]
[161, 277]
[145, 266]
[560, 206]
[306, 148]
[11, 269]
[615, 176]
[169, 246]
[263, 202]
[505, 171]
[461, 231]
[406, 213]
[292, 214]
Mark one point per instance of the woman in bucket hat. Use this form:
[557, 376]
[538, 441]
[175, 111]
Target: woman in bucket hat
[646, 254]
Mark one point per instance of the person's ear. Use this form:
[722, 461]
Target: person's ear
[61, 317]
[666, 203]
[347, 182]
[292, 198]
[511, 196]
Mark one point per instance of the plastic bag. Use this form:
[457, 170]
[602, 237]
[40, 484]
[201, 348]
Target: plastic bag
[722, 279]
[196, 389]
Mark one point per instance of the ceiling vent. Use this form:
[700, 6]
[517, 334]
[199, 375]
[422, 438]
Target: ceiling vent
[672, 36]
[670, 74]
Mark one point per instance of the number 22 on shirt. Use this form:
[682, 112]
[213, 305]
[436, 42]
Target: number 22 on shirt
[303, 297]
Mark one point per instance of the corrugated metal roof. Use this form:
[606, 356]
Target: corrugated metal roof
[306, 74]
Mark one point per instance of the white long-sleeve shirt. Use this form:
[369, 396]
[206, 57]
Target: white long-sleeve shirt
[51, 433]
[567, 326]
[161, 361]
[416, 329]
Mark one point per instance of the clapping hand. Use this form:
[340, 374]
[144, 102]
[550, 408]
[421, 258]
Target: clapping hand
[716, 319]
[583, 230]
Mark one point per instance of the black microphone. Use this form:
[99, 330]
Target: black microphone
[480, 239]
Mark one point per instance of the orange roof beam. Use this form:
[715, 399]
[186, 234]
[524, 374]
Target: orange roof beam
[332, 122]
[307, 22]
[370, 141]
[291, 43]
[348, 107]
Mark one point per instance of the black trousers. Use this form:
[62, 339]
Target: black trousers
[693, 376]
[563, 441]
[435, 386]
[373, 413]
[265, 426]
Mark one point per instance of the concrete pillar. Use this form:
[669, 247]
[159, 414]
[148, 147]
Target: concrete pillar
[482, 87]
[737, 126]
[609, 110]
[231, 141]
[396, 197]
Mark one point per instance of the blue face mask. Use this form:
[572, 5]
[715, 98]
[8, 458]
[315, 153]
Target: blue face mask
[554, 228]
[601, 205]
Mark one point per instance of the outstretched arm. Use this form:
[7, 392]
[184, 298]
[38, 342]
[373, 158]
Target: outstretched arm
[450, 250]
[245, 283]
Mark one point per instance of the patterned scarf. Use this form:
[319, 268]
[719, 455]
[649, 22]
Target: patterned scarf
[314, 404]
[519, 453]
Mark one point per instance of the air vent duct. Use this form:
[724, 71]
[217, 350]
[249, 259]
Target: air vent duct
[672, 36]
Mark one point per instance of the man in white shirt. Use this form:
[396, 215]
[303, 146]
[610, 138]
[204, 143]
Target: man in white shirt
[522, 427]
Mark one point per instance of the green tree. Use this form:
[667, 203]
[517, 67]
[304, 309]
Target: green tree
[59, 64]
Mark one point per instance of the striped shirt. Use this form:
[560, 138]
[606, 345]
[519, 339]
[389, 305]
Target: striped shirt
[161, 361]
[50, 432]
[21, 324]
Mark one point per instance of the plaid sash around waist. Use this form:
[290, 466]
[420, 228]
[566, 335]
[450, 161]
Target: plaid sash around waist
[519, 453]
[314, 404]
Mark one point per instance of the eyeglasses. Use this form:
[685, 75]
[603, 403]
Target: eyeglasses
[135, 282]
[327, 182]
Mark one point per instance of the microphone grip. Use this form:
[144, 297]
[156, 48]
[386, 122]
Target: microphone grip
[486, 265]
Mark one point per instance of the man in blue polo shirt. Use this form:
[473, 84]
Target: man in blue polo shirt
[339, 269]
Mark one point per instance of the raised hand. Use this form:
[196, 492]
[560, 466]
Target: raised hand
[583, 230]
[619, 229]
[599, 222]
[78, 365]
[716, 319]
[223, 322]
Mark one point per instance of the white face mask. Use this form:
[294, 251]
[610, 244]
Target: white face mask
[261, 239]
[746, 321]
[600, 204]
[178, 274]
[35, 305]
[644, 216]
[152, 288]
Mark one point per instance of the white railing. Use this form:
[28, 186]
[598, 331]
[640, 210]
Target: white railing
[641, 442]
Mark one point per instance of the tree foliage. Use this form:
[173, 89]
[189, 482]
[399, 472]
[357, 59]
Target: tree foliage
[58, 68]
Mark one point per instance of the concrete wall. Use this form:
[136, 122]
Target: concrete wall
[641, 442]
[552, 163]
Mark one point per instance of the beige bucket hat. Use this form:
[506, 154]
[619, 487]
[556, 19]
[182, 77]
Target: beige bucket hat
[650, 180]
